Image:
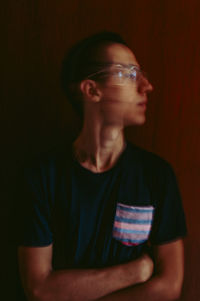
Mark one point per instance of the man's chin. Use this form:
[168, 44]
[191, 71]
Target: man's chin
[135, 122]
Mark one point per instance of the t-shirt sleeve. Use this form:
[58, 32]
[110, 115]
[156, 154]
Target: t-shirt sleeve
[169, 219]
[34, 210]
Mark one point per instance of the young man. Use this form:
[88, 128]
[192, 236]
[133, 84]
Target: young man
[97, 209]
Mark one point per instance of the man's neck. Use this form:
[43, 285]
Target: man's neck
[98, 149]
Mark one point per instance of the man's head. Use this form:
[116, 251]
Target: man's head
[102, 73]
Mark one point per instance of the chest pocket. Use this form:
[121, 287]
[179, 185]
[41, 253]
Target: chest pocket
[132, 224]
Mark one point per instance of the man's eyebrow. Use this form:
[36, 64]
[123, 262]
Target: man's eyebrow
[110, 63]
[127, 65]
[134, 65]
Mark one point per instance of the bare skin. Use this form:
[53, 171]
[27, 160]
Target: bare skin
[41, 282]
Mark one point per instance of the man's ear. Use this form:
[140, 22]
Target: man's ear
[90, 90]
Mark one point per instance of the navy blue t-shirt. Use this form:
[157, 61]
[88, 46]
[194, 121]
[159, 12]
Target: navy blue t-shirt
[99, 219]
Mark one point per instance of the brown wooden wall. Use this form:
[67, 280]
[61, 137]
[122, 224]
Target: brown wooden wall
[164, 35]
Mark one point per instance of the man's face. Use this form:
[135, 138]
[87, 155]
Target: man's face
[123, 100]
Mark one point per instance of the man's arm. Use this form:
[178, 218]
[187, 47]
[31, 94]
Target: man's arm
[167, 281]
[41, 283]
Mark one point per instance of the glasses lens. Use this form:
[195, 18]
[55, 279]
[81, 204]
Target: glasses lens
[121, 72]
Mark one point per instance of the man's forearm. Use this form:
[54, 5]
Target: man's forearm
[90, 284]
[155, 289]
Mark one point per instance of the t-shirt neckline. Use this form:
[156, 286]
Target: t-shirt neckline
[100, 174]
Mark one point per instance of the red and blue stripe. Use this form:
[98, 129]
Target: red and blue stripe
[132, 224]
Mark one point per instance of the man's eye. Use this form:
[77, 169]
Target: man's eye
[133, 75]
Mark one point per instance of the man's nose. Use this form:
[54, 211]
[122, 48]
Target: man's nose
[150, 87]
[146, 86]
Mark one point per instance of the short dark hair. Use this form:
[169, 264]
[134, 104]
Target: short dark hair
[79, 61]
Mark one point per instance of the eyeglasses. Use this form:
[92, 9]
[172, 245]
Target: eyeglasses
[121, 71]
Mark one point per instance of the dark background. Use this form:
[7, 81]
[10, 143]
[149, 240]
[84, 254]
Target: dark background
[35, 115]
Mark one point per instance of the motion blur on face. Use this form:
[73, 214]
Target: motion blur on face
[123, 100]
[98, 81]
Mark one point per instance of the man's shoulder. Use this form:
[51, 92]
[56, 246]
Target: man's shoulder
[147, 159]
[51, 158]
[153, 169]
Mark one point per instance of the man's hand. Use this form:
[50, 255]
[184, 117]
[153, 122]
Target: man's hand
[139, 270]
[147, 268]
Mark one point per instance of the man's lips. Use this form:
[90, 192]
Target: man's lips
[141, 103]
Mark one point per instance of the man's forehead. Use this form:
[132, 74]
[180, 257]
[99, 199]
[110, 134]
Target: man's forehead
[118, 53]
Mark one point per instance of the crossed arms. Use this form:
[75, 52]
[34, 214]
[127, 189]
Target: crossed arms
[129, 281]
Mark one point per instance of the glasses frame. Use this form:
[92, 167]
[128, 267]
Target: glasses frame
[133, 71]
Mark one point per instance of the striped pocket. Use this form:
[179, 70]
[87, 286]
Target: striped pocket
[132, 224]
